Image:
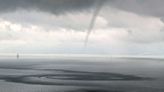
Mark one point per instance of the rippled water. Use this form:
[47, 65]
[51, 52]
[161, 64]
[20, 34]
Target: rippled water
[87, 74]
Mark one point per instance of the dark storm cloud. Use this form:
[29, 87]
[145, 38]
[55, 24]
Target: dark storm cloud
[53, 6]
[143, 7]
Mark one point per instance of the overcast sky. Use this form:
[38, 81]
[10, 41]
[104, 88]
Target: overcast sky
[122, 27]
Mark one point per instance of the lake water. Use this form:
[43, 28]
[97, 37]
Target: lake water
[82, 74]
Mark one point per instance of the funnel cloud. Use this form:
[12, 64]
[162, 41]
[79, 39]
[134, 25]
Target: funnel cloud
[99, 5]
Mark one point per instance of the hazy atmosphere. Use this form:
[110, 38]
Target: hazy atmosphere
[132, 27]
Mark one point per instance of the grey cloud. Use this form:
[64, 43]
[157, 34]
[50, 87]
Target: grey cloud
[53, 6]
[144, 7]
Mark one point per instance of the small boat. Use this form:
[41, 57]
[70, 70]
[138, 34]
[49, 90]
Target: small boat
[17, 56]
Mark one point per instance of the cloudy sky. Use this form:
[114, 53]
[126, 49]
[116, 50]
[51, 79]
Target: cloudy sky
[122, 27]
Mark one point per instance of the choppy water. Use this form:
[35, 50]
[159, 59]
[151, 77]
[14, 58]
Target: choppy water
[86, 74]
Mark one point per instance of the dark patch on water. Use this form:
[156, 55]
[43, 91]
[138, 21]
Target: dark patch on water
[73, 78]
[94, 90]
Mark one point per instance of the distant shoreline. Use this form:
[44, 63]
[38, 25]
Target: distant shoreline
[80, 56]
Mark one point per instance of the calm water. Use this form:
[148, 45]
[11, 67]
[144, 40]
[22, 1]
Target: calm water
[81, 74]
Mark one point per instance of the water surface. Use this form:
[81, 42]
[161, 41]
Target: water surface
[81, 74]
